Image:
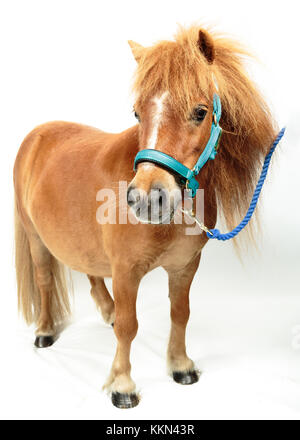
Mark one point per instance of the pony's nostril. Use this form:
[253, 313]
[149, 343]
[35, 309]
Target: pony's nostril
[133, 196]
[160, 201]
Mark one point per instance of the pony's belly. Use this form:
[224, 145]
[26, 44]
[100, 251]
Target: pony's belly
[100, 270]
[77, 244]
[89, 261]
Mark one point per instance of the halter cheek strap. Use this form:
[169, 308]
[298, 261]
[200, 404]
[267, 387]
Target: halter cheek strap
[187, 176]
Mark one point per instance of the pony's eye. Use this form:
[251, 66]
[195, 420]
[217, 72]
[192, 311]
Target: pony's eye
[137, 116]
[199, 114]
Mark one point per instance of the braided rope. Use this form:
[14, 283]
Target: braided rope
[215, 233]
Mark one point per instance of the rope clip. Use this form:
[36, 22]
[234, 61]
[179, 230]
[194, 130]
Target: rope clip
[201, 225]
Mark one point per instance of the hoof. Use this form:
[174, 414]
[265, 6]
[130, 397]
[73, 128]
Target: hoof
[113, 324]
[186, 378]
[124, 401]
[44, 341]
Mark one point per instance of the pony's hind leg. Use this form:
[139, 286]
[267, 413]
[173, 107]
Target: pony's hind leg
[42, 263]
[42, 292]
[50, 285]
[180, 366]
[103, 299]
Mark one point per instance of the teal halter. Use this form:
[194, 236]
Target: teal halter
[187, 176]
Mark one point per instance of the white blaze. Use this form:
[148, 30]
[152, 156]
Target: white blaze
[159, 102]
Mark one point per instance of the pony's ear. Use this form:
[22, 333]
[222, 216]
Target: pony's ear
[137, 50]
[206, 46]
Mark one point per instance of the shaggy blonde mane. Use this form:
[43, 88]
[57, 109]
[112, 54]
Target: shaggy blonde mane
[249, 130]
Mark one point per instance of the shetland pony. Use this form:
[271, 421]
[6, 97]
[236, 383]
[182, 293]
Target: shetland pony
[61, 167]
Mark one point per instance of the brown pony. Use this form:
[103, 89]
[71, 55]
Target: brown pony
[61, 167]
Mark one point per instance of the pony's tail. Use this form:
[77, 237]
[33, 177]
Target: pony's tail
[29, 300]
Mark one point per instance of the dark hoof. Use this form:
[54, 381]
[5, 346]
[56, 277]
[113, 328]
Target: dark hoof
[44, 341]
[113, 324]
[124, 401]
[186, 378]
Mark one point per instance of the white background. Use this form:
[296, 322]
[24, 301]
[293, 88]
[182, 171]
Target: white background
[70, 60]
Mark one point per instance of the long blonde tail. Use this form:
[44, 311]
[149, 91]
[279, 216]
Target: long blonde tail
[29, 300]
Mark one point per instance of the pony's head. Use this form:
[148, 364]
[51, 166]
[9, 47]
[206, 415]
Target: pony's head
[174, 87]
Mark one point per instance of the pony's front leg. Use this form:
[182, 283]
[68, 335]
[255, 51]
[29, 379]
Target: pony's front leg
[125, 287]
[180, 366]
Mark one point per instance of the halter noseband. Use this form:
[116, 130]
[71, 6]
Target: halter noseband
[187, 176]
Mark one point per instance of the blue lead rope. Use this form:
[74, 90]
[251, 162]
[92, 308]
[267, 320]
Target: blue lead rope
[188, 176]
[215, 234]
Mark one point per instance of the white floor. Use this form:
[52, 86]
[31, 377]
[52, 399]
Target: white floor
[243, 334]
